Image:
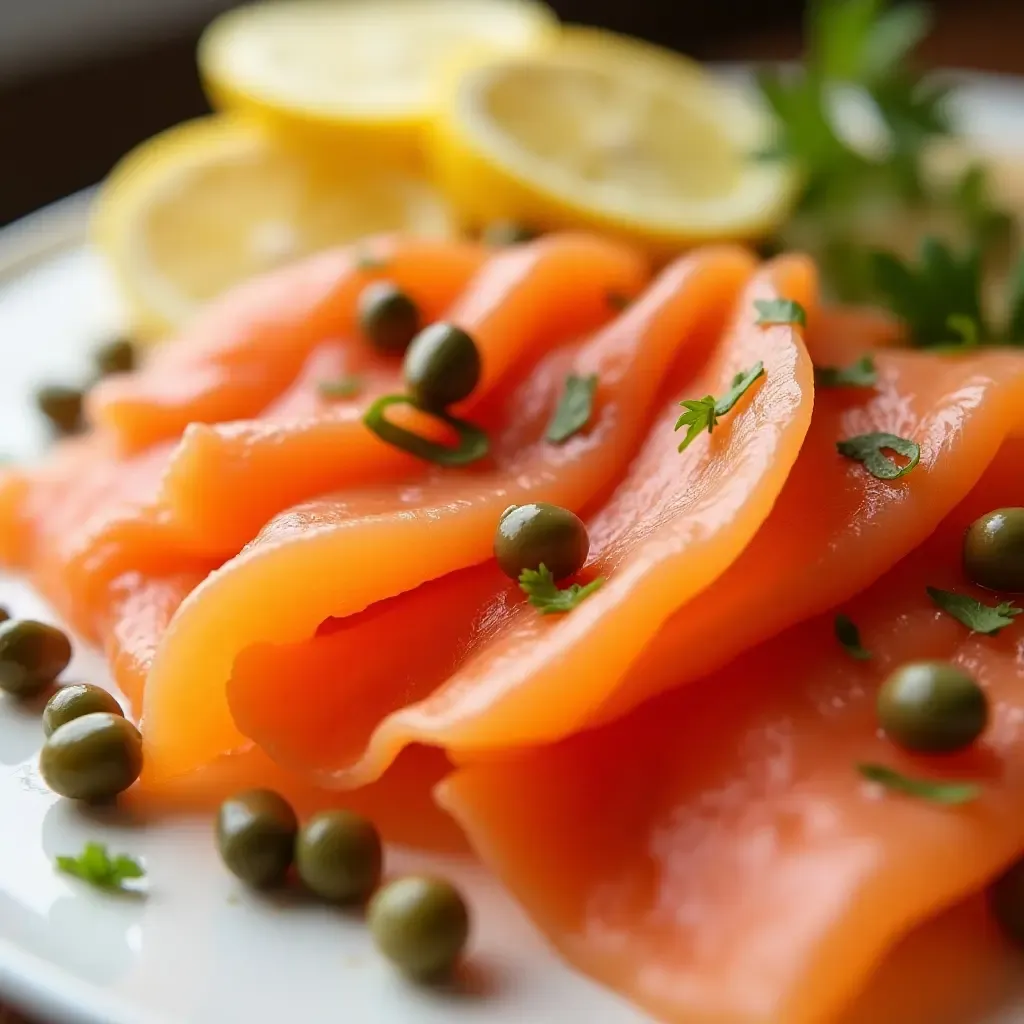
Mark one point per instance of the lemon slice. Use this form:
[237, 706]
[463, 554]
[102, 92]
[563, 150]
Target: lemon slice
[214, 201]
[354, 76]
[601, 131]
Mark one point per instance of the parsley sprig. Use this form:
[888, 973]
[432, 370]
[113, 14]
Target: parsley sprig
[547, 597]
[978, 617]
[940, 297]
[703, 413]
[98, 867]
[865, 44]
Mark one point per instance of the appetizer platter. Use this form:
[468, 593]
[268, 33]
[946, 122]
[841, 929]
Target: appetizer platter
[514, 524]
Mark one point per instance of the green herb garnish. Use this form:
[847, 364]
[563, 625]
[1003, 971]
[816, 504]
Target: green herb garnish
[861, 374]
[981, 618]
[340, 387]
[933, 790]
[865, 44]
[703, 413]
[848, 635]
[368, 262]
[473, 442]
[618, 301]
[547, 597]
[96, 866]
[779, 311]
[574, 408]
[869, 449]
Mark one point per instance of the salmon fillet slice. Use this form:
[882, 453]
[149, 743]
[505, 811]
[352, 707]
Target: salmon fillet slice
[717, 856]
[338, 555]
[674, 522]
[246, 348]
[91, 513]
[515, 308]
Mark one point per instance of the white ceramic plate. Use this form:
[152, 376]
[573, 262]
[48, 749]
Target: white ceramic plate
[198, 948]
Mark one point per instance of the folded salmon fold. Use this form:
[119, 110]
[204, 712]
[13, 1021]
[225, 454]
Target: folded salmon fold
[93, 513]
[341, 554]
[716, 854]
[673, 523]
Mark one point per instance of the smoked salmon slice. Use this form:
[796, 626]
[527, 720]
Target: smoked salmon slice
[336, 556]
[717, 856]
[247, 347]
[516, 311]
[675, 522]
[92, 513]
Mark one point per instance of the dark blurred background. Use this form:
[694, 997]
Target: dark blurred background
[81, 81]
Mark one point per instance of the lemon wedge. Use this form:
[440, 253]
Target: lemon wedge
[213, 201]
[601, 131]
[354, 77]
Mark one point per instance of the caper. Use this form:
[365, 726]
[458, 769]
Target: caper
[338, 855]
[77, 700]
[420, 924]
[256, 833]
[1006, 899]
[500, 233]
[388, 317]
[932, 707]
[94, 757]
[117, 356]
[529, 536]
[994, 550]
[62, 406]
[32, 655]
[442, 366]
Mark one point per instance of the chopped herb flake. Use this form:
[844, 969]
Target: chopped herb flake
[618, 301]
[340, 387]
[703, 413]
[545, 595]
[367, 261]
[981, 618]
[473, 442]
[861, 374]
[868, 449]
[933, 790]
[96, 866]
[779, 311]
[849, 636]
[574, 408]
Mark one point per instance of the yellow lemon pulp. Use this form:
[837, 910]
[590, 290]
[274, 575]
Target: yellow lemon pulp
[214, 201]
[354, 76]
[601, 131]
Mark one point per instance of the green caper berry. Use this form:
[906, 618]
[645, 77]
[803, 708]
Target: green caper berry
[932, 707]
[338, 856]
[62, 406]
[94, 757]
[501, 233]
[117, 356]
[256, 833]
[74, 701]
[32, 655]
[442, 366]
[529, 536]
[1006, 900]
[420, 924]
[994, 550]
[388, 317]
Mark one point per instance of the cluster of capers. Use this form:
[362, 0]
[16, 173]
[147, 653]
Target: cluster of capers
[441, 364]
[63, 405]
[933, 707]
[92, 752]
[421, 924]
[529, 536]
